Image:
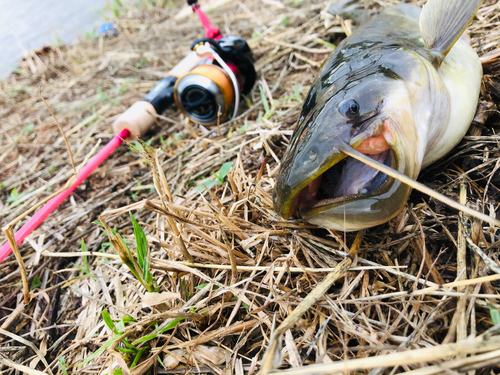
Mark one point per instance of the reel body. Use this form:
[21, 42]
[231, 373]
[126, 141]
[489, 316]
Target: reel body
[206, 85]
[213, 87]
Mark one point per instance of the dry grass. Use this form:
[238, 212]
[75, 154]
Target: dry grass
[417, 297]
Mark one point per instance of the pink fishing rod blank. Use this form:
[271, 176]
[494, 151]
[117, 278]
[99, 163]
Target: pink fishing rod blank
[51, 205]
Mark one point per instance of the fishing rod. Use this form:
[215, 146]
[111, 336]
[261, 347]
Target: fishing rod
[206, 86]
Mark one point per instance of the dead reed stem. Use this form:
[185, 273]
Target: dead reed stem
[418, 186]
[400, 358]
[461, 266]
[60, 129]
[318, 292]
[9, 233]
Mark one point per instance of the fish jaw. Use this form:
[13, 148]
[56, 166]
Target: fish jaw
[360, 211]
[366, 197]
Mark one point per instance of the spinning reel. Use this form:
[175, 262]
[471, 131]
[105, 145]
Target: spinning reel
[206, 85]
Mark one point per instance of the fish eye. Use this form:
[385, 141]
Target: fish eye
[349, 107]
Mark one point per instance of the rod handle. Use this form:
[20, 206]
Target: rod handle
[137, 120]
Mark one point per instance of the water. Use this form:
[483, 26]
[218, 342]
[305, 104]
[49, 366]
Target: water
[31, 24]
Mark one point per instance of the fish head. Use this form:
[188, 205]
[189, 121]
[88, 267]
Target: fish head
[330, 189]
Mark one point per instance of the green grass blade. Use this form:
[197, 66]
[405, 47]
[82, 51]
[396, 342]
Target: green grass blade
[169, 326]
[138, 356]
[62, 365]
[324, 42]
[128, 319]
[224, 169]
[127, 350]
[85, 263]
[495, 314]
[145, 338]
[109, 322]
[142, 244]
[296, 92]
[99, 351]
[264, 99]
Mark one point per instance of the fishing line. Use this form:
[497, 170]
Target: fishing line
[346, 149]
[206, 49]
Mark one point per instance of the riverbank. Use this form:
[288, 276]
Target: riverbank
[89, 312]
[32, 24]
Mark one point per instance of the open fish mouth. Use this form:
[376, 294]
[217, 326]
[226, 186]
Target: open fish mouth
[348, 179]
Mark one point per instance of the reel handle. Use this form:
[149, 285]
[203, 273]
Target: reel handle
[141, 115]
[210, 30]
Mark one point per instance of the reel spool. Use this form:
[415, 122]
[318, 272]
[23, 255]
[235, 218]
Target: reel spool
[205, 94]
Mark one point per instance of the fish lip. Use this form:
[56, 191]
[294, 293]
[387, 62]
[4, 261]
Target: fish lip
[286, 209]
[363, 133]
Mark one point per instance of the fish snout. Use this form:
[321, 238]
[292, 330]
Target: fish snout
[310, 154]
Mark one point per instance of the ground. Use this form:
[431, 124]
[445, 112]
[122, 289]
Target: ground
[413, 288]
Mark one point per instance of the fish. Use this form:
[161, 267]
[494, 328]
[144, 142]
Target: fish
[402, 89]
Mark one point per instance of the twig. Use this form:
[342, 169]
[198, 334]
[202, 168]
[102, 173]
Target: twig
[417, 185]
[60, 129]
[487, 261]
[158, 262]
[14, 315]
[270, 359]
[232, 258]
[24, 369]
[397, 359]
[30, 344]
[461, 266]
[163, 190]
[9, 233]
[424, 291]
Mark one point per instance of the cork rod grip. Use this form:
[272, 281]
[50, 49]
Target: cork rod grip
[137, 120]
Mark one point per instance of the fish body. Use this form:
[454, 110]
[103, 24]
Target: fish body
[402, 89]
